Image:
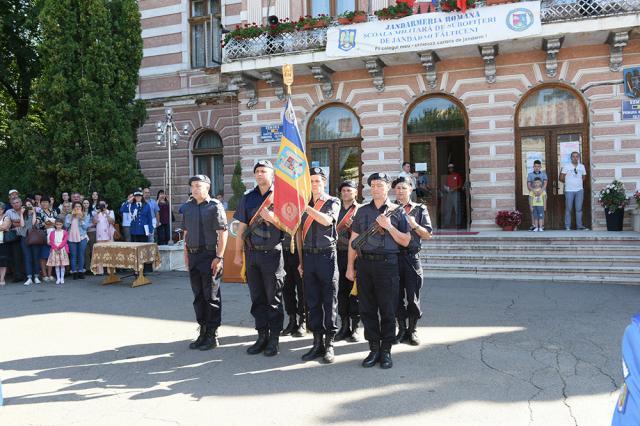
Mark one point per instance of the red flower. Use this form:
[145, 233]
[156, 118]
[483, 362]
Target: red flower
[409, 3]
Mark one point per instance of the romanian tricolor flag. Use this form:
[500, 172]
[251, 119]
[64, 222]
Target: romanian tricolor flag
[292, 184]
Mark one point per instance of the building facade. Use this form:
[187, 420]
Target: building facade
[489, 109]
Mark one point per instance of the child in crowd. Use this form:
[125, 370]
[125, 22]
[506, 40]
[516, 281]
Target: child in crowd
[59, 255]
[538, 204]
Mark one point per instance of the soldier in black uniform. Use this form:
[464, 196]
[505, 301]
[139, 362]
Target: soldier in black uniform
[409, 263]
[347, 304]
[319, 269]
[260, 239]
[377, 267]
[205, 236]
[292, 292]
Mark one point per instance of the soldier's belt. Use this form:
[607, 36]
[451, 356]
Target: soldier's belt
[318, 250]
[377, 256]
[200, 249]
[264, 248]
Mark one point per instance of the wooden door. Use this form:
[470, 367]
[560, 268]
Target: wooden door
[552, 146]
[423, 159]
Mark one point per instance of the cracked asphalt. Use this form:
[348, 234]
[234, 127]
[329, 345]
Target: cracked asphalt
[493, 353]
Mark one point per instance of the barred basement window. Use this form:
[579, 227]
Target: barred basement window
[206, 33]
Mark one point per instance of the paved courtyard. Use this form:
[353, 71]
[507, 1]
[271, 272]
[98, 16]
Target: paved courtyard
[493, 353]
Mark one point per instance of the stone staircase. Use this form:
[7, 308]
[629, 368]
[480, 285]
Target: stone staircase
[573, 256]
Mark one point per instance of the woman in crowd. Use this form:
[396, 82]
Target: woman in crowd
[104, 219]
[31, 252]
[95, 201]
[91, 232]
[141, 221]
[5, 225]
[77, 223]
[47, 217]
[165, 217]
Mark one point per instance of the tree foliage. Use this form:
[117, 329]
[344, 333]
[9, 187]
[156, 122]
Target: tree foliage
[237, 186]
[90, 52]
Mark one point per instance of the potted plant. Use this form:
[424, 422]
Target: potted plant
[244, 32]
[306, 23]
[452, 5]
[282, 27]
[346, 18]
[636, 212]
[323, 21]
[360, 16]
[614, 199]
[508, 220]
[400, 10]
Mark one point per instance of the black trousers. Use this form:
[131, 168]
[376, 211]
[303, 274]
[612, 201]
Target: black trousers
[163, 234]
[207, 302]
[410, 284]
[321, 291]
[265, 276]
[142, 239]
[17, 260]
[293, 292]
[347, 304]
[378, 283]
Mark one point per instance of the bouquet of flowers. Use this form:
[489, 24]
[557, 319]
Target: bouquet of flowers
[508, 218]
[613, 197]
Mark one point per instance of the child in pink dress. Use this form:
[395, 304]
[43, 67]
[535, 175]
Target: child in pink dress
[59, 255]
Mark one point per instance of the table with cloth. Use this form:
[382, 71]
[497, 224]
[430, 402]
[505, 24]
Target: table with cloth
[124, 255]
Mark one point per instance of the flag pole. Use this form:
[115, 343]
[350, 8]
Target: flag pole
[287, 78]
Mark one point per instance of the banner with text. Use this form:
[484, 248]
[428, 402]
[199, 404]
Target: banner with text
[432, 31]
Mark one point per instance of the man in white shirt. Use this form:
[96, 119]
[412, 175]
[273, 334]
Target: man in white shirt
[573, 175]
[406, 173]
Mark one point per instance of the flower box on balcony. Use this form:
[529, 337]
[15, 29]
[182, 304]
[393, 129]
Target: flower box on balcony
[452, 5]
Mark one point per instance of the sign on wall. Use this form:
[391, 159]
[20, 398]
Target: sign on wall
[631, 109]
[271, 133]
[431, 31]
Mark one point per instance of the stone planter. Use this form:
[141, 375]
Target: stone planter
[636, 220]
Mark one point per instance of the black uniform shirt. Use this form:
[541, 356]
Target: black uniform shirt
[320, 236]
[266, 234]
[421, 215]
[345, 235]
[201, 221]
[376, 243]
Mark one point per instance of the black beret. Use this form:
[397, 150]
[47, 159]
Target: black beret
[402, 179]
[317, 171]
[200, 178]
[379, 176]
[263, 163]
[347, 183]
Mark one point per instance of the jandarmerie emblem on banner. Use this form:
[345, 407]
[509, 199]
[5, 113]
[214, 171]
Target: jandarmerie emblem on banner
[347, 39]
[287, 76]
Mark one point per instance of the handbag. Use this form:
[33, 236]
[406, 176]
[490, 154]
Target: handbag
[36, 237]
[9, 235]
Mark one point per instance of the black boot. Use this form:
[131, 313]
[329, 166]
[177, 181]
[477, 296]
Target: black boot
[272, 345]
[374, 355]
[196, 343]
[329, 356]
[300, 330]
[412, 334]
[402, 331]
[81, 275]
[260, 344]
[291, 327]
[355, 329]
[210, 339]
[317, 350]
[385, 359]
[345, 329]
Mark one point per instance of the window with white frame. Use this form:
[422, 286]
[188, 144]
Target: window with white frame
[206, 33]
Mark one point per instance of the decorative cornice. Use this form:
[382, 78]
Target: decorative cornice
[489, 54]
[429, 60]
[322, 73]
[618, 41]
[375, 68]
[552, 47]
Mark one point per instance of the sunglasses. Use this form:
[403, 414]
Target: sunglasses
[575, 170]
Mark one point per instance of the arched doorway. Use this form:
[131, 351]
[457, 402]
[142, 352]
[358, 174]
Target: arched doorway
[436, 136]
[551, 122]
[207, 159]
[334, 143]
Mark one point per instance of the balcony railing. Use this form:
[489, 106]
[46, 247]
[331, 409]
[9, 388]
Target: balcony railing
[316, 39]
